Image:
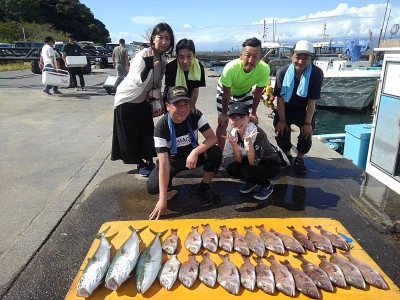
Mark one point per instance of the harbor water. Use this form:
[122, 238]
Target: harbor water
[328, 121]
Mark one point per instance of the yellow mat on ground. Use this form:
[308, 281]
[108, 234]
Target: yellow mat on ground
[120, 232]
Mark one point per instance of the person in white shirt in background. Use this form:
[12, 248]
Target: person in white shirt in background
[48, 60]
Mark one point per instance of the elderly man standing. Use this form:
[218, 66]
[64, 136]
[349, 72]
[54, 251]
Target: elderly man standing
[120, 59]
[236, 85]
[297, 87]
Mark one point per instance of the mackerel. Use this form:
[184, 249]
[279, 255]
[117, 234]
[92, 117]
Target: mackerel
[96, 267]
[124, 260]
[149, 263]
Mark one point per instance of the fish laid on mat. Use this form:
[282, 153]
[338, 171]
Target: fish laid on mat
[284, 280]
[149, 263]
[335, 273]
[271, 241]
[302, 238]
[247, 274]
[321, 242]
[290, 242]
[193, 241]
[264, 277]
[336, 240]
[319, 276]
[208, 270]
[303, 282]
[124, 260]
[96, 267]
[169, 272]
[239, 243]
[370, 275]
[351, 273]
[228, 275]
[170, 244]
[255, 243]
[225, 239]
[189, 271]
[209, 238]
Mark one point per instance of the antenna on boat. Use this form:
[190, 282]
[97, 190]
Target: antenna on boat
[324, 35]
[383, 22]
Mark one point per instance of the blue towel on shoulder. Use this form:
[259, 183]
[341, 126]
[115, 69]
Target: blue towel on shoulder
[288, 83]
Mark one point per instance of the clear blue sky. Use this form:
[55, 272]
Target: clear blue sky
[213, 25]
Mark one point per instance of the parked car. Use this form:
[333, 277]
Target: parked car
[131, 49]
[24, 44]
[100, 48]
[6, 45]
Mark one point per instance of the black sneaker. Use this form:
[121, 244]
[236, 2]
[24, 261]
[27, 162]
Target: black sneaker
[208, 194]
[299, 166]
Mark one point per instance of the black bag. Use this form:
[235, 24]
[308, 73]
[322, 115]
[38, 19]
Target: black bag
[111, 83]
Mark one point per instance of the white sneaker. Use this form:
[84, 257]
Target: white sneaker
[76, 89]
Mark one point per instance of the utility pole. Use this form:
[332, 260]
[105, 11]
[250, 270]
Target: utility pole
[23, 31]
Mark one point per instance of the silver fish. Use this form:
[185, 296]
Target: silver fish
[265, 277]
[225, 239]
[124, 260]
[335, 274]
[189, 271]
[254, 242]
[239, 244]
[302, 238]
[247, 274]
[208, 270]
[321, 242]
[228, 275]
[290, 242]
[170, 244]
[193, 241]
[209, 238]
[370, 275]
[284, 280]
[96, 267]
[351, 273]
[319, 276]
[169, 272]
[149, 263]
[336, 240]
[271, 241]
[303, 282]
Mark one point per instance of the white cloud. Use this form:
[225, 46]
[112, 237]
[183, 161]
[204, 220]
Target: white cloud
[341, 22]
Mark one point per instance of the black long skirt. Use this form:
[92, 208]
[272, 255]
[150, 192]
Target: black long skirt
[133, 133]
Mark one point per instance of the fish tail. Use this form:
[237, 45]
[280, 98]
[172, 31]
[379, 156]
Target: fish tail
[321, 257]
[137, 230]
[158, 233]
[103, 233]
[318, 227]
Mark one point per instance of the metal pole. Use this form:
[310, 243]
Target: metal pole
[383, 22]
[23, 31]
[387, 23]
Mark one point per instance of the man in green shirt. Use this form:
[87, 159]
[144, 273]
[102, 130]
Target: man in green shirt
[73, 49]
[120, 59]
[236, 85]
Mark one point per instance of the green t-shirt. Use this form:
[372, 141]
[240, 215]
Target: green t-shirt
[71, 50]
[240, 82]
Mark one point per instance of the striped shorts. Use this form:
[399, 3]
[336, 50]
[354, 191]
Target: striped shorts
[246, 98]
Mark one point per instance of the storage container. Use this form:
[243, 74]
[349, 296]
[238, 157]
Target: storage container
[58, 78]
[111, 83]
[76, 61]
[357, 143]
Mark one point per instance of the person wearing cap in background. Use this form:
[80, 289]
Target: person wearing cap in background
[297, 87]
[185, 71]
[236, 84]
[120, 59]
[256, 160]
[178, 149]
[48, 60]
[73, 49]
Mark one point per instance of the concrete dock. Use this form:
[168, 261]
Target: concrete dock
[59, 186]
